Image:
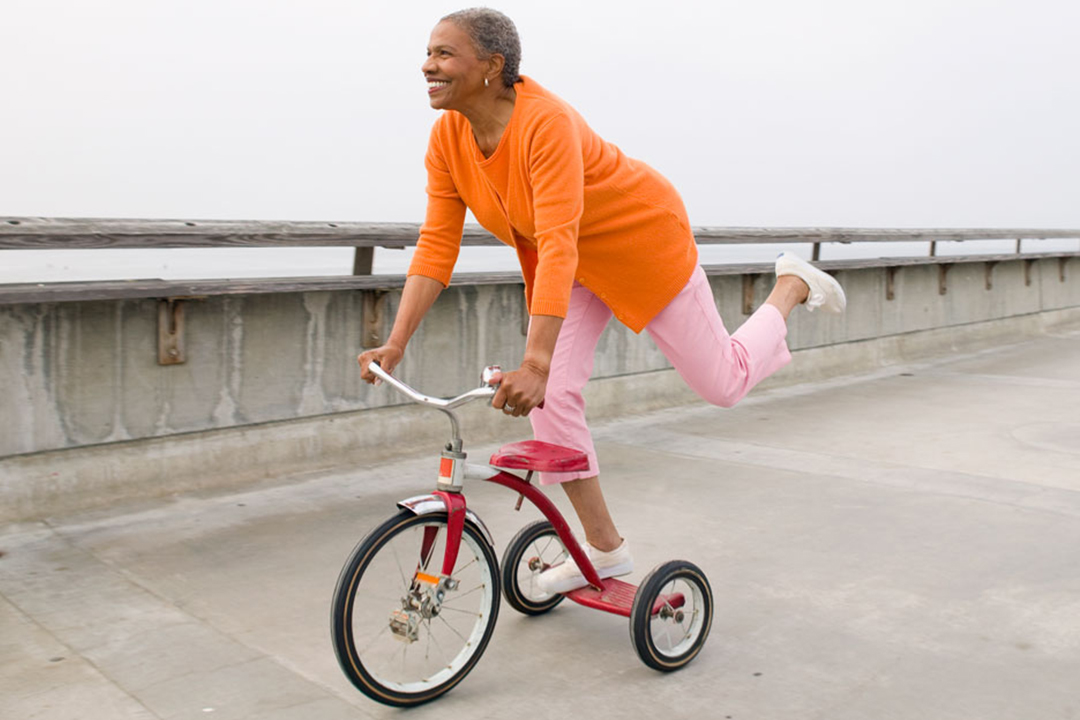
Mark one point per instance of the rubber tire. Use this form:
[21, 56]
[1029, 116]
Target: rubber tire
[641, 614]
[345, 593]
[512, 558]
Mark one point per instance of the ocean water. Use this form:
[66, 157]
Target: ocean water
[32, 266]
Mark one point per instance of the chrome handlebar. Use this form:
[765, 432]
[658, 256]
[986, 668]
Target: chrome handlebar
[487, 390]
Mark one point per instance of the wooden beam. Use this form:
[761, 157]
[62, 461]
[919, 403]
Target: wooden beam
[77, 233]
[25, 293]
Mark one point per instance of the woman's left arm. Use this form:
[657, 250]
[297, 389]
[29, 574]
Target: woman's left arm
[523, 389]
[557, 174]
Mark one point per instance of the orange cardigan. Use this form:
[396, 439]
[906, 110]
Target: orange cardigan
[572, 205]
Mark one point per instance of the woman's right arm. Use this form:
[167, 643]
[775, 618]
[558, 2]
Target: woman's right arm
[416, 299]
[433, 263]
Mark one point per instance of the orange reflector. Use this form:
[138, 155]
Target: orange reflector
[424, 577]
[446, 468]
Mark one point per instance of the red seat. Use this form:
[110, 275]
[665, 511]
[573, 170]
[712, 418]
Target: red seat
[540, 456]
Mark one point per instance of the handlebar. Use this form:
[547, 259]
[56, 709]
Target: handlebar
[446, 405]
[484, 391]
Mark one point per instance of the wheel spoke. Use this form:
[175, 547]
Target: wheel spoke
[439, 647]
[453, 629]
[386, 629]
[397, 561]
[459, 610]
[457, 571]
[431, 551]
[393, 655]
[464, 594]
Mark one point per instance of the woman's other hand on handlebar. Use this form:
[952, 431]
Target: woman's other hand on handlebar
[521, 390]
[388, 357]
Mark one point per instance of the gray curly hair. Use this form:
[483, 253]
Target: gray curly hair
[493, 34]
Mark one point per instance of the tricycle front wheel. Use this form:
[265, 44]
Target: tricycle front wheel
[402, 634]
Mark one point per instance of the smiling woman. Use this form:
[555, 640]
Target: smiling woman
[597, 234]
[468, 51]
[476, 31]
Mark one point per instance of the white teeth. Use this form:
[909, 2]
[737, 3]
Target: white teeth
[437, 83]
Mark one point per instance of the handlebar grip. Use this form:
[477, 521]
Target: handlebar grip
[377, 370]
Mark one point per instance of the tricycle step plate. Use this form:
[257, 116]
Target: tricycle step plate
[616, 597]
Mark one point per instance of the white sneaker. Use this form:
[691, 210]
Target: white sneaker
[825, 292]
[566, 576]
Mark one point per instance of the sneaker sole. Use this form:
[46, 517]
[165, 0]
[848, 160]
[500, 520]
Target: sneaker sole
[577, 582]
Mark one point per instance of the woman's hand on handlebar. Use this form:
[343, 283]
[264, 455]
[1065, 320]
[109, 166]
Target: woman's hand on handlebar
[388, 357]
[521, 390]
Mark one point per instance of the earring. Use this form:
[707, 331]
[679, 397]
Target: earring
[486, 82]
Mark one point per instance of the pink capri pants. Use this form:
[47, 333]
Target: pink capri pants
[721, 368]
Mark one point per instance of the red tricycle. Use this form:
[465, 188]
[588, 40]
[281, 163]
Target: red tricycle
[416, 603]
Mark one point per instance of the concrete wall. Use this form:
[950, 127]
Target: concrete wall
[270, 384]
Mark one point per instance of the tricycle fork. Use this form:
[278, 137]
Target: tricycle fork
[453, 504]
[455, 525]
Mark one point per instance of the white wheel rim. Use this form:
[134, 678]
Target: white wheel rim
[672, 639]
[446, 642]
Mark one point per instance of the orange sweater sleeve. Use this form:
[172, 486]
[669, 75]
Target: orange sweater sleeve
[557, 175]
[440, 235]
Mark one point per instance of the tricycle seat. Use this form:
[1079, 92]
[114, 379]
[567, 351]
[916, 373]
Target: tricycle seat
[540, 456]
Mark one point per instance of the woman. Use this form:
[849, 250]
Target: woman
[597, 234]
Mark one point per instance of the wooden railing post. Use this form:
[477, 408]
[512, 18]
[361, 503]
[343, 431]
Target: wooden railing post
[363, 261]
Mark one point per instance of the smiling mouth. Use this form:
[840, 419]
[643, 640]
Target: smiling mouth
[436, 85]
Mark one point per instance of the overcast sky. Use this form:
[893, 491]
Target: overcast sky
[917, 113]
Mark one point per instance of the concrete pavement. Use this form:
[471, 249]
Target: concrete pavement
[904, 544]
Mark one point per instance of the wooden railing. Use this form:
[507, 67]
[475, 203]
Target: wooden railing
[24, 233]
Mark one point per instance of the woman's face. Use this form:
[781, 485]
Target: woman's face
[454, 73]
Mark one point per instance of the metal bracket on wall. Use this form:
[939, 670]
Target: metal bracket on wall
[990, 274]
[526, 318]
[171, 350]
[748, 294]
[890, 282]
[943, 271]
[374, 312]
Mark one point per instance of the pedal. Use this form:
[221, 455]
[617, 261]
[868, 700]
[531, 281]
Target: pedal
[405, 626]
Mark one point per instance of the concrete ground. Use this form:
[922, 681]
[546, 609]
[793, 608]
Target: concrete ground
[900, 545]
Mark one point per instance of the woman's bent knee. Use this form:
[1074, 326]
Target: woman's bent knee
[725, 397]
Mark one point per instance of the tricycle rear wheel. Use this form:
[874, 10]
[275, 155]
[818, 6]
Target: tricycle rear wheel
[534, 549]
[671, 615]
